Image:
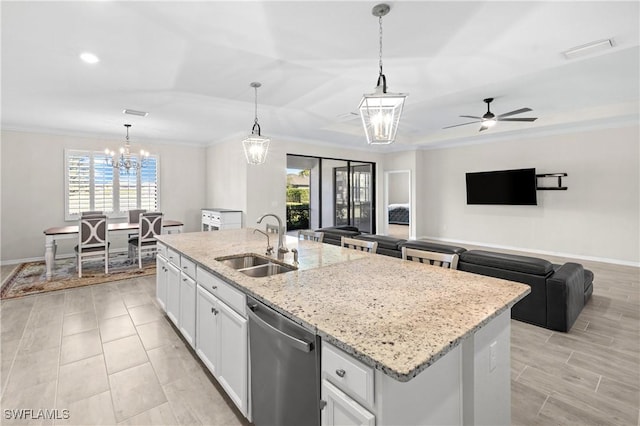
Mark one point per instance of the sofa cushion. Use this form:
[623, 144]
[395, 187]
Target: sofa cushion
[435, 247]
[338, 228]
[383, 241]
[510, 262]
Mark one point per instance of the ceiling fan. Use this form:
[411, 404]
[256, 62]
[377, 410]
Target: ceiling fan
[490, 119]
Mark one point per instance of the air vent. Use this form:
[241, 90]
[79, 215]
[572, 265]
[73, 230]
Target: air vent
[134, 112]
[589, 48]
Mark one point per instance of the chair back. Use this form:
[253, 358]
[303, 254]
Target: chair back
[445, 260]
[134, 215]
[310, 235]
[92, 213]
[150, 226]
[352, 243]
[92, 232]
[272, 229]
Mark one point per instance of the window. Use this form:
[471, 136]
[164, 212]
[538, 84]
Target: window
[92, 184]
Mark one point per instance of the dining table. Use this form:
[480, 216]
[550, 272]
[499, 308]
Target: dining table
[52, 235]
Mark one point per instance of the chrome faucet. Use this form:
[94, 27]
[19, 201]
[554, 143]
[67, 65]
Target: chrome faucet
[269, 247]
[282, 249]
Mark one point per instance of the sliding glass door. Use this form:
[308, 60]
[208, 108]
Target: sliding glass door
[340, 192]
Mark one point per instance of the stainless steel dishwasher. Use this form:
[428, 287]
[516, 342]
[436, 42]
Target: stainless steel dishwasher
[285, 369]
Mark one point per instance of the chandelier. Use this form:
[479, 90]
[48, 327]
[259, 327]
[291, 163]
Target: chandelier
[380, 111]
[255, 145]
[125, 161]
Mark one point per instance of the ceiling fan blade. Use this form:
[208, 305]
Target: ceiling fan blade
[519, 119]
[463, 124]
[471, 116]
[483, 128]
[518, 111]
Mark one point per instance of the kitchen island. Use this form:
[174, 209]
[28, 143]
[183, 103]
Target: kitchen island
[436, 340]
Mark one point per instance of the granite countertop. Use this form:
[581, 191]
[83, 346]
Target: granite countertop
[397, 316]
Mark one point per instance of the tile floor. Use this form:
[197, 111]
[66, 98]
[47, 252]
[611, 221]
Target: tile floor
[107, 355]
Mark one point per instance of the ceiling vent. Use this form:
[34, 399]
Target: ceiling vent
[587, 49]
[134, 112]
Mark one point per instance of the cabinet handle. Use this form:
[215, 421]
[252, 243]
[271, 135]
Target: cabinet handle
[214, 311]
[184, 279]
[215, 287]
[184, 267]
[340, 372]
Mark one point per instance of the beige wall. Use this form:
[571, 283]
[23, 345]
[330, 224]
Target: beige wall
[597, 217]
[33, 188]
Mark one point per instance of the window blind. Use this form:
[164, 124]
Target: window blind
[93, 184]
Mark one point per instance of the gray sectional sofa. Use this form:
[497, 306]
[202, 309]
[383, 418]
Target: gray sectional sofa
[558, 292]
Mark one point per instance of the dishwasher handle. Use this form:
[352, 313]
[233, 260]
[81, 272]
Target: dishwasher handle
[296, 343]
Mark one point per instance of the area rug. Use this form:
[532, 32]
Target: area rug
[30, 278]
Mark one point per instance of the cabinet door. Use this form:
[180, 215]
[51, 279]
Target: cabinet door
[232, 361]
[188, 308]
[207, 329]
[161, 281]
[342, 410]
[173, 293]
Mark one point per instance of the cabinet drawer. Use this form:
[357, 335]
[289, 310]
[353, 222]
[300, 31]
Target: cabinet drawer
[173, 256]
[346, 372]
[162, 249]
[223, 291]
[188, 267]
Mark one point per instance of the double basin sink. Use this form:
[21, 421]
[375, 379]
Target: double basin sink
[255, 266]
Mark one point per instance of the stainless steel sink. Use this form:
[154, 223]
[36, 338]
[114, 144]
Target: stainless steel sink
[243, 261]
[255, 266]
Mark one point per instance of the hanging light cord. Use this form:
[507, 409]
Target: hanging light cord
[255, 123]
[381, 76]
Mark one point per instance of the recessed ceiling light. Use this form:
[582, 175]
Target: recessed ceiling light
[89, 58]
[588, 48]
[134, 112]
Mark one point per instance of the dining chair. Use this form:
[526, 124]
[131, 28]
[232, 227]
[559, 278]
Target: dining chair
[352, 243]
[92, 213]
[310, 235]
[150, 227]
[93, 241]
[134, 215]
[445, 260]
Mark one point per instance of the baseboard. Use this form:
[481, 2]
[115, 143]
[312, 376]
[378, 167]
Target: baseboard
[41, 258]
[534, 251]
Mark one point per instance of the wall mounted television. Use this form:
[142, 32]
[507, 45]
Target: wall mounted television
[512, 187]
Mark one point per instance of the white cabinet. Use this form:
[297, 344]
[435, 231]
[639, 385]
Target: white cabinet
[207, 329]
[173, 293]
[161, 281]
[188, 308]
[221, 337]
[342, 409]
[215, 219]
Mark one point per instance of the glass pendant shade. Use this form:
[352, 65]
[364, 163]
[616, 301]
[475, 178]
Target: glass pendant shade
[380, 113]
[256, 148]
[255, 145]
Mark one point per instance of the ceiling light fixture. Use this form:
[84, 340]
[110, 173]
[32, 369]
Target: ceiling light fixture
[134, 112]
[588, 48]
[89, 58]
[256, 145]
[126, 162]
[380, 111]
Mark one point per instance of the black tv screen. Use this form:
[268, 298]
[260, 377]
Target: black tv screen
[514, 187]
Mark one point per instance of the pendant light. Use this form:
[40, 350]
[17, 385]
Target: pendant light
[380, 111]
[256, 145]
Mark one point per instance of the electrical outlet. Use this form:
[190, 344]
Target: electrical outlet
[492, 356]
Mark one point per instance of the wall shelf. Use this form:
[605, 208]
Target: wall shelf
[559, 176]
